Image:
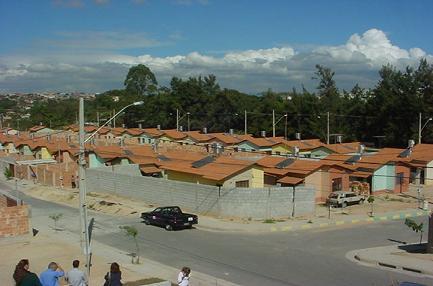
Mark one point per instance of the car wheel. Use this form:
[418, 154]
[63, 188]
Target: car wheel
[344, 204]
[361, 201]
[146, 221]
[168, 227]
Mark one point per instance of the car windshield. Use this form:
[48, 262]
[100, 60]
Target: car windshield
[333, 196]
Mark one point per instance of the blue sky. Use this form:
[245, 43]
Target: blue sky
[88, 45]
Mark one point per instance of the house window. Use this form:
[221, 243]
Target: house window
[242, 184]
[277, 153]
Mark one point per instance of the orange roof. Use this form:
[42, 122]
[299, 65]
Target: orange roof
[108, 152]
[296, 166]
[422, 152]
[37, 128]
[217, 170]
[343, 148]
[226, 138]
[261, 141]
[174, 134]
[150, 169]
[198, 136]
[134, 131]
[153, 132]
[290, 180]
[308, 144]
[118, 130]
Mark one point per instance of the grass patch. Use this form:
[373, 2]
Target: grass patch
[269, 220]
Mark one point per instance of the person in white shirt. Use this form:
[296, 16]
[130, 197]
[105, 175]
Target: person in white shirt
[183, 277]
[76, 277]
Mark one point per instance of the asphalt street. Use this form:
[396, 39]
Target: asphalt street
[312, 257]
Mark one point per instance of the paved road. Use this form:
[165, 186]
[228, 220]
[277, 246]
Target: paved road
[302, 258]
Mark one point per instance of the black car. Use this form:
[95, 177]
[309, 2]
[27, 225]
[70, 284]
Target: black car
[170, 218]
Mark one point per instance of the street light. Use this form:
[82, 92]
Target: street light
[276, 122]
[420, 129]
[178, 119]
[82, 177]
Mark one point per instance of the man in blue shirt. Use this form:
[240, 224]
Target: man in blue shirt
[50, 277]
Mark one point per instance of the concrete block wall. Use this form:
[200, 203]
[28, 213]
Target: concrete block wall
[258, 203]
[14, 220]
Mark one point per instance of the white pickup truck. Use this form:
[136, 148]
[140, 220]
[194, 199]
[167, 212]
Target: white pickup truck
[343, 199]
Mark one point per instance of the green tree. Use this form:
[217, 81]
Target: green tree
[8, 173]
[131, 231]
[416, 227]
[56, 218]
[140, 80]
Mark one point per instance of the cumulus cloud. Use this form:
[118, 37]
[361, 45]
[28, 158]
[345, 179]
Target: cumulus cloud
[279, 68]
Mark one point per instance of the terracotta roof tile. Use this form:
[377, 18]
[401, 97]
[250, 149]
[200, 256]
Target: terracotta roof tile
[174, 134]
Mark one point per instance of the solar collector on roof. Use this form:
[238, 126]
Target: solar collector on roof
[203, 162]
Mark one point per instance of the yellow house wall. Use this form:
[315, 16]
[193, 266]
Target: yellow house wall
[10, 148]
[165, 139]
[281, 148]
[254, 176]
[45, 154]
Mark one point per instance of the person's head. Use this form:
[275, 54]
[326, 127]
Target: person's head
[53, 266]
[186, 270]
[75, 263]
[114, 267]
[21, 270]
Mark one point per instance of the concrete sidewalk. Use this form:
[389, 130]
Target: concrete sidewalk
[402, 258]
[63, 247]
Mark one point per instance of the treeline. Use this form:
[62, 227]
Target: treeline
[388, 112]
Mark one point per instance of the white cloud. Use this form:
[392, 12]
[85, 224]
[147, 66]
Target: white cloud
[98, 67]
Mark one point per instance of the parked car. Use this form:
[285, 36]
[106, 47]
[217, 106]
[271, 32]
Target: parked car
[343, 199]
[169, 218]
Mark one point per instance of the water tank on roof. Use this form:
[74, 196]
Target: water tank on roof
[339, 139]
[263, 133]
[298, 136]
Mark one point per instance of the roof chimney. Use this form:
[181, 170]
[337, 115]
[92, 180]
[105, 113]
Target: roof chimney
[140, 125]
[181, 128]
[123, 125]
[361, 149]
[204, 130]
[263, 133]
[410, 144]
[231, 131]
[40, 123]
[158, 126]
[339, 138]
[295, 151]
[298, 136]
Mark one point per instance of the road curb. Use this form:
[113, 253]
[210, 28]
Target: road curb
[379, 218]
[390, 264]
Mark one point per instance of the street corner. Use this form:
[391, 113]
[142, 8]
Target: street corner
[406, 258]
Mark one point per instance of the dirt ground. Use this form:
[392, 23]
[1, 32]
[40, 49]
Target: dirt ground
[42, 249]
[114, 204]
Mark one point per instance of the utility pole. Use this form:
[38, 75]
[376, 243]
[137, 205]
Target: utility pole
[327, 128]
[246, 131]
[273, 123]
[114, 120]
[177, 119]
[187, 115]
[84, 237]
[419, 128]
[97, 117]
[285, 128]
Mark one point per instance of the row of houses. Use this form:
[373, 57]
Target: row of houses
[219, 142]
[349, 166]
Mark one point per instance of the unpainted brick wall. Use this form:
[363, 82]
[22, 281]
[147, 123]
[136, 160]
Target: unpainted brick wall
[14, 220]
[257, 203]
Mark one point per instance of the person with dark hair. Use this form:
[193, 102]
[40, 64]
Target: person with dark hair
[183, 277]
[114, 277]
[50, 277]
[76, 277]
[22, 275]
